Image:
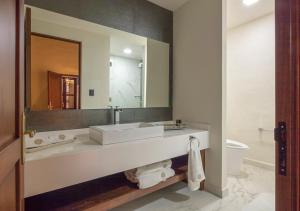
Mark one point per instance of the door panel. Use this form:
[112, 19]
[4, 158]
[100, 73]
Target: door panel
[7, 200]
[11, 103]
[8, 65]
[288, 102]
[54, 91]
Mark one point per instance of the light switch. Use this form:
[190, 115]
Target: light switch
[91, 92]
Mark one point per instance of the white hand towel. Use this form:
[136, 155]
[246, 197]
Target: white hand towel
[154, 178]
[153, 167]
[195, 166]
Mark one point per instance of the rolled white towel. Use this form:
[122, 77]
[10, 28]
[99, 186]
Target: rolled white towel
[60, 137]
[131, 176]
[150, 175]
[154, 178]
[153, 167]
[37, 141]
[44, 140]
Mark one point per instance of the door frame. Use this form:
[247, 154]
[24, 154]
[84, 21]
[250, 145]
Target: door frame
[287, 15]
[20, 95]
[27, 55]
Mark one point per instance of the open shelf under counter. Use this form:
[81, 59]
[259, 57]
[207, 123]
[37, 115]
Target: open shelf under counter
[101, 194]
[84, 160]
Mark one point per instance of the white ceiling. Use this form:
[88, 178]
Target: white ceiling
[119, 43]
[169, 4]
[238, 13]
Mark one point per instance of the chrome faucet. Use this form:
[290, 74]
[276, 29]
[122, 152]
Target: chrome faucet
[115, 114]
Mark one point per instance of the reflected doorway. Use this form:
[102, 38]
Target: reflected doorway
[63, 91]
[55, 73]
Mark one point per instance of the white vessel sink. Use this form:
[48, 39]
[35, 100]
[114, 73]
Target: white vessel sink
[112, 134]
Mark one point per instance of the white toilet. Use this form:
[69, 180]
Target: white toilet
[235, 153]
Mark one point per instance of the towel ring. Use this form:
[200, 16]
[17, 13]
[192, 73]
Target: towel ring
[193, 138]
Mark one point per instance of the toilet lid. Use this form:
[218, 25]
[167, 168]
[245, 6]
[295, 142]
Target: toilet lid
[235, 144]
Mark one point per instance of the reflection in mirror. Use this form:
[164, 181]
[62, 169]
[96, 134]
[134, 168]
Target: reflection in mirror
[126, 72]
[78, 64]
[55, 70]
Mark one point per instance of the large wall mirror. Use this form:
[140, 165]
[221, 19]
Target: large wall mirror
[76, 64]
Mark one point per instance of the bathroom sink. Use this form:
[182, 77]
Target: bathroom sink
[113, 134]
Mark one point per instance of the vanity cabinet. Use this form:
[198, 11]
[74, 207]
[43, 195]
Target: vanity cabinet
[89, 176]
[104, 193]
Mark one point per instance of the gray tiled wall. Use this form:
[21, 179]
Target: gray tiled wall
[74, 119]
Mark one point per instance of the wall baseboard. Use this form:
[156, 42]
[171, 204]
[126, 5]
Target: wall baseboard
[260, 164]
[217, 191]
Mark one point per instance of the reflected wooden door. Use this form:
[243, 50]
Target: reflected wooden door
[54, 91]
[11, 103]
[28, 57]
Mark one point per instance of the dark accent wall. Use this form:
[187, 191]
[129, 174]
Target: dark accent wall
[75, 119]
[135, 16]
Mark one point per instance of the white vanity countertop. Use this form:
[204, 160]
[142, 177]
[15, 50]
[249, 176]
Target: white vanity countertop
[84, 159]
[84, 143]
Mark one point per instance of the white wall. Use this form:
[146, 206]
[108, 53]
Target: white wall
[251, 86]
[198, 78]
[95, 61]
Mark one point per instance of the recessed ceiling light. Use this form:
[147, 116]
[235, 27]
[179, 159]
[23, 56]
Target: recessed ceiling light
[249, 2]
[127, 51]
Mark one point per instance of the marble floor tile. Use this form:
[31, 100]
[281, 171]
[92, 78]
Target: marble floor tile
[253, 190]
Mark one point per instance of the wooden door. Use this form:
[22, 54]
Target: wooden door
[11, 103]
[54, 91]
[288, 105]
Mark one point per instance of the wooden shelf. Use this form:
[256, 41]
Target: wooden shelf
[102, 194]
[122, 195]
